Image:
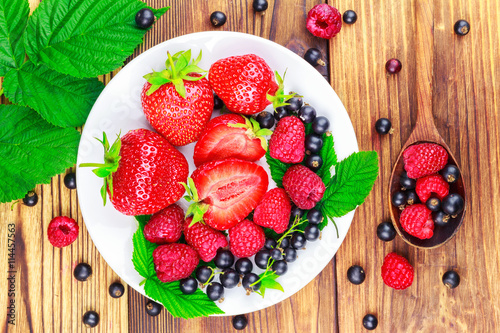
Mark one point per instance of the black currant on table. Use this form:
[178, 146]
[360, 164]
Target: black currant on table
[451, 279]
[313, 162]
[215, 291]
[450, 173]
[70, 180]
[224, 258]
[294, 103]
[453, 204]
[399, 199]
[153, 308]
[311, 232]
[280, 267]
[434, 204]
[82, 271]
[461, 27]
[350, 17]
[188, 285]
[276, 254]
[261, 258]
[386, 231]
[393, 66]
[411, 197]
[356, 274]
[204, 274]
[314, 216]
[229, 278]
[313, 56]
[240, 322]
[116, 290]
[290, 254]
[243, 266]
[406, 182]
[280, 112]
[370, 322]
[249, 279]
[90, 319]
[440, 218]
[383, 126]
[307, 114]
[218, 18]
[30, 199]
[265, 119]
[144, 18]
[320, 125]
[260, 5]
[298, 240]
[313, 143]
[218, 103]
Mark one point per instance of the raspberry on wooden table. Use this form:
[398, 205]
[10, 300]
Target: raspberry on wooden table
[324, 21]
[62, 231]
[397, 272]
[424, 159]
[417, 221]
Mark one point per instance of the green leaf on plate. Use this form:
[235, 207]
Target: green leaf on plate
[329, 158]
[84, 38]
[277, 168]
[60, 99]
[32, 151]
[142, 256]
[13, 19]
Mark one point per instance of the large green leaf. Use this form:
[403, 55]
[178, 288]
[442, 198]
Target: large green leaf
[13, 18]
[84, 38]
[60, 99]
[32, 151]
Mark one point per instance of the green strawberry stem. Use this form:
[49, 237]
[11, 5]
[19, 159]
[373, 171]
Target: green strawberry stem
[197, 209]
[253, 130]
[279, 97]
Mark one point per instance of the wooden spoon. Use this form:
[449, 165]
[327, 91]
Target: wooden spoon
[425, 131]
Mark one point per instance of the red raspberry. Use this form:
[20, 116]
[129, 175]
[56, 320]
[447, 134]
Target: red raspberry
[432, 184]
[62, 231]
[417, 221]
[273, 211]
[424, 159]
[324, 21]
[246, 238]
[397, 272]
[165, 226]
[287, 141]
[304, 187]
[174, 261]
[204, 239]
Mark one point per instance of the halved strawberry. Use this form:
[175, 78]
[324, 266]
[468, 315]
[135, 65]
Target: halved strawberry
[225, 192]
[231, 135]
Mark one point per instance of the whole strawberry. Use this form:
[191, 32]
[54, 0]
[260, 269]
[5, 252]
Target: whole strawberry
[273, 211]
[246, 239]
[142, 172]
[62, 231]
[424, 159]
[287, 141]
[204, 239]
[304, 187]
[324, 21]
[417, 221]
[165, 226]
[397, 272]
[177, 101]
[434, 183]
[246, 84]
[174, 261]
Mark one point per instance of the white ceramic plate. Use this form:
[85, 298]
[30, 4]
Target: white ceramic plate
[118, 109]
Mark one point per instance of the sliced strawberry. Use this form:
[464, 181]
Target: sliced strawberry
[221, 140]
[226, 191]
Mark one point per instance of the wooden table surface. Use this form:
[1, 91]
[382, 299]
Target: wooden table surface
[466, 109]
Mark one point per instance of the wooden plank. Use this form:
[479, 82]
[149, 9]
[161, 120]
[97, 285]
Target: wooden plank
[466, 111]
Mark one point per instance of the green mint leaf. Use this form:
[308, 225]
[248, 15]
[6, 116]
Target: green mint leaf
[353, 180]
[178, 304]
[142, 219]
[277, 168]
[329, 157]
[84, 38]
[142, 256]
[60, 99]
[268, 281]
[13, 18]
[32, 151]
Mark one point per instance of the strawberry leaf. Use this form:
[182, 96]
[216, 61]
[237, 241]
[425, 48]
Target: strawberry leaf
[277, 168]
[142, 257]
[13, 20]
[329, 158]
[268, 281]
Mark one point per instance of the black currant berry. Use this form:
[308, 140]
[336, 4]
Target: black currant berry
[224, 258]
[280, 112]
[30, 199]
[320, 125]
[270, 243]
[90, 319]
[276, 254]
[311, 232]
[116, 290]
[285, 243]
[314, 216]
[240, 322]
[260, 5]
[144, 18]
[313, 162]
[296, 213]
[451, 279]
[229, 278]
[218, 103]
[218, 18]
[313, 56]
[243, 265]
[261, 258]
[265, 119]
[70, 180]
[461, 27]
[440, 218]
[407, 182]
[215, 291]
[450, 173]
[386, 231]
[453, 204]
[313, 143]
[294, 104]
[188, 285]
[153, 309]
[350, 16]
[399, 199]
[356, 274]
[290, 254]
[393, 66]
[370, 322]
[383, 126]
[412, 197]
[249, 279]
[82, 271]
[307, 114]
[204, 274]
[298, 240]
[434, 204]
[280, 267]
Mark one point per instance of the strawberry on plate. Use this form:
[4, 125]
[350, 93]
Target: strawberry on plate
[142, 172]
[246, 84]
[231, 135]
[177, 101]
[225, 192]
